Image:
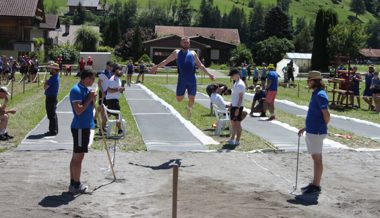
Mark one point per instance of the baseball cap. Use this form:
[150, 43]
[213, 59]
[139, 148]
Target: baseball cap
[233, 72]
[4, 89]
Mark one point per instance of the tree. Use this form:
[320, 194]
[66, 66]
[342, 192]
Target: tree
[300, 25]
[153, 16]
[273, 49]
[184, 13]
[284, 5]
[137, 44]
[303, 41]
[53, 9]
[358, 7]
[256, 25]
[371, 6]
[129, 15]
[277, 24]
[241, 54]
[346, 39]
[87, 39]
[79, 15]
[324, 21]
[124, 48]
[373, 30]
[112, 33]
[205, 10]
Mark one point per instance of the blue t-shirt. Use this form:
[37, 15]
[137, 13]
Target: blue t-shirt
[272, 76]
[130, 67]
[315, 123]
[259, 96]
[186, 65]
[107, 73]
[79, 93]
[53, 84]
[142, 67]
[243, 72]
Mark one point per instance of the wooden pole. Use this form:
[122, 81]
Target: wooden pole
[175, 191]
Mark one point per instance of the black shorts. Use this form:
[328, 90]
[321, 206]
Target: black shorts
[113, 104]
[130, 72]
[232, 113]
[100, 99]
[81, 140]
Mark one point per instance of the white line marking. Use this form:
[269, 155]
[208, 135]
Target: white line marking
[139, 114]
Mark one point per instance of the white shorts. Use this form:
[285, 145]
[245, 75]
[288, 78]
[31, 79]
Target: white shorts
[314, 143]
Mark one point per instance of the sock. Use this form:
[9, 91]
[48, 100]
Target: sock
[76, 184]
[72, 182]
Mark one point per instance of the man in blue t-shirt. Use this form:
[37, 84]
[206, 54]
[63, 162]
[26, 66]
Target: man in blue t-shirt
[271, 91]
[51, 87]
[186, 61]
[82, 103]
[317, 118]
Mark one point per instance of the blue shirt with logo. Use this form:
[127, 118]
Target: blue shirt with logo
[53, 84]
[315, 123]
[272, 76]
[79, 93]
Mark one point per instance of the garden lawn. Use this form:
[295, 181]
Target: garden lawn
[201, 117]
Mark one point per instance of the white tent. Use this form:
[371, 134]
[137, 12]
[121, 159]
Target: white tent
[282, 64]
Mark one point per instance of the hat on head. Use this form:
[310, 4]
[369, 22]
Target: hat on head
[233, 72]
[314, 75]
[257, 87]
[53, 65]
[271, 66]
[4, 89]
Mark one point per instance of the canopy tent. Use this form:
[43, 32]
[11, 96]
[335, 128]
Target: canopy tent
[282, 64]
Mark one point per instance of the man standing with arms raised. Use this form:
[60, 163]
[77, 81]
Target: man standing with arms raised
[51, 92]
[186, 60]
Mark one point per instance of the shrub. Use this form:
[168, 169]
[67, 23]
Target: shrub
[69, 53]
[145, 58]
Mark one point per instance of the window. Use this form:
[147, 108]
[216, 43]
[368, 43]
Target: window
[215, 54]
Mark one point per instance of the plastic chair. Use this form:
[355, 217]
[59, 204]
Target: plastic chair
[223, 116]
[111, 123]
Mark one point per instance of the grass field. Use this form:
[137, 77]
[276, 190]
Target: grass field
[301, 8]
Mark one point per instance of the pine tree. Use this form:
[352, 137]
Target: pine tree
[79, 15]
[184, 13]
[256, 25]
[284, 5]
[277, 24]
[358, 7]
[137, 43]
[324, 21]
[112, 34]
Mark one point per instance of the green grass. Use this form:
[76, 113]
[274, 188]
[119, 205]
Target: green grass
[30, 108]
[201, 117]
[300, 8]
[133, 140]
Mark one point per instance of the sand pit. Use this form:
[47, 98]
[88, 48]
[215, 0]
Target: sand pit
[223, 185]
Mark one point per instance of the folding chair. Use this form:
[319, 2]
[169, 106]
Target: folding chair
[223, 116]
[111, 123]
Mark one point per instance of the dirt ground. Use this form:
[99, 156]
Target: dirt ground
[220, 185]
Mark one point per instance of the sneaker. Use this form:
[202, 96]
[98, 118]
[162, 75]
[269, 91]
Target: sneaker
[306, 187]
[8, 136]
[237, 143]
[80, 190]
[230, 142]
[311, 189]
[271, 118]
[3, 137]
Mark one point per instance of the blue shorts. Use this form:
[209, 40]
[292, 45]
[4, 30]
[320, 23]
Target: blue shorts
[367, 92]
[190, 86]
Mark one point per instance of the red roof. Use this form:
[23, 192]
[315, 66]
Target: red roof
[370, 52]
[18, 8]
[224, 35]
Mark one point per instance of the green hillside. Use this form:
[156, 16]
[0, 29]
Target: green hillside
[298, 8]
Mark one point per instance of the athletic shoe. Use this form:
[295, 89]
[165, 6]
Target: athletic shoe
[80, 190]
[271, 118]
[3, 137]
[311, 189]
[50, 134]
[230, 142]
[306, 187]
[9, 136]
[263, 115]
[237, 143]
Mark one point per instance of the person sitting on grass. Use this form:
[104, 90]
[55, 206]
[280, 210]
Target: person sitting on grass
[4, 114]
[259, 97]
[236, 111]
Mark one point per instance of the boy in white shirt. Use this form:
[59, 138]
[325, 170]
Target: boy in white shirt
[237, 114]
[113, 91]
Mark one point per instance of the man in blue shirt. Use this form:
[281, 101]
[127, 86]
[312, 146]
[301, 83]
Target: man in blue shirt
[271, 91]
[367, 94]
[83, 103]
[317, 118]
[51, 87]
[186, 61]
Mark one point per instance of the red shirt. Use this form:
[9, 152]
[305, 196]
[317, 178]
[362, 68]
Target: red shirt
[90, 62]
[59, 60]
[82, 64]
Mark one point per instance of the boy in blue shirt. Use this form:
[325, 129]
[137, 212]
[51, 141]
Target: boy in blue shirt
[51, 92]
[317, 118]
[83, 103]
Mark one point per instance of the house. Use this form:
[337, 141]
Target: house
[303, 60]
[369, 55]
[67, 34]
[211, 44]
[20, 22]
[91, 5]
